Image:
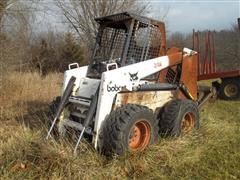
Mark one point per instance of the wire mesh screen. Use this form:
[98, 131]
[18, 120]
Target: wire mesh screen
[144, 43]
[111, 44]
[173, 75]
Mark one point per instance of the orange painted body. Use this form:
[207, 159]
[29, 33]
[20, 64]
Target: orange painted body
[189, 71]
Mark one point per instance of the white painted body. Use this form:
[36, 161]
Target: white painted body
[119, 77]
[112, 82]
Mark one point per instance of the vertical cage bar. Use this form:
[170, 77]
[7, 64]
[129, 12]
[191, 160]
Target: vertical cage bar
[126, 44]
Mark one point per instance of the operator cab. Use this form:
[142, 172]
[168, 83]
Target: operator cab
[124, 39]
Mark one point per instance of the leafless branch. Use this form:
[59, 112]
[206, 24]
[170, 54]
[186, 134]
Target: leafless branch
[80, 14]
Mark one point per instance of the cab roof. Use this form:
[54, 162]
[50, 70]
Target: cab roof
[118, 20]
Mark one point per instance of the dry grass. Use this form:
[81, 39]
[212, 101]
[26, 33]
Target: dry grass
[210, 153]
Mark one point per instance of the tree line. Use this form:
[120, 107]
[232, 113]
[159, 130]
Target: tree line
[25, 48]
[226, 43]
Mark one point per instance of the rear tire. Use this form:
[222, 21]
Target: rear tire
[130, 127]
[178, 116]
[230, 89]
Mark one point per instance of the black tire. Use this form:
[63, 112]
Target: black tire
[177, 115]
[230, 89]
[54, 104]
[51, 114]
[118, 128]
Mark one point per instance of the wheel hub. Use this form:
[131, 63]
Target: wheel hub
[188, 122]
[231, 90]
[139, 136]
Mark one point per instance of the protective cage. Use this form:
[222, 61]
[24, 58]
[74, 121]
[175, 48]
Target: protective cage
[126, 39]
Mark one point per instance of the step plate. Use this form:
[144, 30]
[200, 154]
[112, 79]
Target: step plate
[76, 125]
[80, 101]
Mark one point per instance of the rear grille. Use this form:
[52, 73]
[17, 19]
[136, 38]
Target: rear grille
[174, 76]
[170, 76]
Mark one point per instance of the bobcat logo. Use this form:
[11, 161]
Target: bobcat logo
[133, 77]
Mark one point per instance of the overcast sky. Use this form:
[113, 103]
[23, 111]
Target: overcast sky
[185, 15]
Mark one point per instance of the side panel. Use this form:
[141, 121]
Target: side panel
[189, 74]
[124, 79]
[120, 79]
[152, 99]
[104, 107]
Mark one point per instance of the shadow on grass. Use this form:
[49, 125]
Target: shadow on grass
[36, 115]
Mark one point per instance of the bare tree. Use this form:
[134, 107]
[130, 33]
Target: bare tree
[177, 39]
[233, 48]
[4, 8]
[16, 17]
[80, 14]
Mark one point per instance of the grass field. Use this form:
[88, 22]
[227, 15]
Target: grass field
[212, 152]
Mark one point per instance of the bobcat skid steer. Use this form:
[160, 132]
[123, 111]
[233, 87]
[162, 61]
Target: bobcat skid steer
[132, 91]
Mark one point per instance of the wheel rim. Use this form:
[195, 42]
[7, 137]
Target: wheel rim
[139, 136]
[231, 90]
[188, 122]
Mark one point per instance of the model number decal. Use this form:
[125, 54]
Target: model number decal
[157, 65]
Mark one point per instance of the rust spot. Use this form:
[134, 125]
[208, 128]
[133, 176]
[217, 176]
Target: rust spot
[150, 99]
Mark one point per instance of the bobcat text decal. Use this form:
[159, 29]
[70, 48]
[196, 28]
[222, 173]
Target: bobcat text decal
[114, 88]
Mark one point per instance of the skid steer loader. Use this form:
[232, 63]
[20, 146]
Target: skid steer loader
[133, 90]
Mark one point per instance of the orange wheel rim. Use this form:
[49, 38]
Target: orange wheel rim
[139, 136]
[188, 122]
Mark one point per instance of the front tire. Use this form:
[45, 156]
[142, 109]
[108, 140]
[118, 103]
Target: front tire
[130, 127]
[178, 116]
